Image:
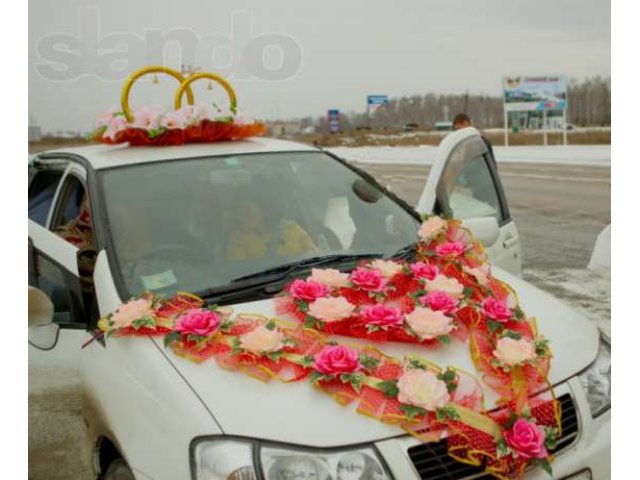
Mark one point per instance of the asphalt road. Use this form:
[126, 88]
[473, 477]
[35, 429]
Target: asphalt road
[559, 211]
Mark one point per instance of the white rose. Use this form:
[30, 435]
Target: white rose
[514, 352]
[386, 267]
[445, 284]
[262, 340]
[432, 228]
[422, 388]
[429, 324]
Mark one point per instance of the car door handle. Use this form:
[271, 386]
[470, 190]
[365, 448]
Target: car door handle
[510, 241]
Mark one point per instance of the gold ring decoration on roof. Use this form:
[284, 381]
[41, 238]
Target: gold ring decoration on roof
[185, 87]
[124, 99]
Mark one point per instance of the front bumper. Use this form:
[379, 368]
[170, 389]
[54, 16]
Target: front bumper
[591, 449]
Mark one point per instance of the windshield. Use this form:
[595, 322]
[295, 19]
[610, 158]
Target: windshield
[192, 225]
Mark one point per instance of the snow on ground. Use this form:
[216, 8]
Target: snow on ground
[594, 155]
[586, 291]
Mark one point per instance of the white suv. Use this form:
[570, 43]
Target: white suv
[109, 222]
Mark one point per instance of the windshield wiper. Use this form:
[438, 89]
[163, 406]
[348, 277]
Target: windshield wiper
[406, 252]
[287, 268]
[265, 277]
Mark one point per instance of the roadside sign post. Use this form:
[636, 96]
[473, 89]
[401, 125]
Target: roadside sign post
[333, 116]
[374, 102]
[535, 93]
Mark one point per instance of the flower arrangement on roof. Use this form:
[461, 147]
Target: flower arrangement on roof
[192, 123]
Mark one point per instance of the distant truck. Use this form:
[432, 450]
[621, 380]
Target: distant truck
[444, 126]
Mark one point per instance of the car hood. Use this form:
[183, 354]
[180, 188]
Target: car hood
[298, 413]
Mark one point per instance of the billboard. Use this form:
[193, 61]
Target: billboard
[334, 120]
[374, 102]
[538, 93]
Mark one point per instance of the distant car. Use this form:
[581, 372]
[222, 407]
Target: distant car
[163, 219]
[410, 127]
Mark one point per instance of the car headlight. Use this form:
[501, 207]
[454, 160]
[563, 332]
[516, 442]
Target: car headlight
[237, 459]
[596, 380]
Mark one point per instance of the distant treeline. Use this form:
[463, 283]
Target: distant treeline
[589, 105]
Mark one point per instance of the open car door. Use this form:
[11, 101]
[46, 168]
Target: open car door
[464, 184]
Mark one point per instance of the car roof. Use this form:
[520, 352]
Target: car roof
[100, 156]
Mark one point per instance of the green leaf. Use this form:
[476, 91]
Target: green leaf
[412, 412]
[447, 412]
[275, 356]
[316, 377]
[302, 305]
[444, 339]
[271, 325]
[309, 321]
[449, 377]
[213, 307]
[143, 322]
[226, 325]
[372, 328]
[171, 337]
[493, 325]
[468, 292]
[502, 449]
[519, 313]
[415, 363]
[156, 132]
[389, 388]
[235, 344]
[307, 361]
[355, 379]
[512, 334]
[368, 361]
[512, 419]
[550, 437]
[544, 464]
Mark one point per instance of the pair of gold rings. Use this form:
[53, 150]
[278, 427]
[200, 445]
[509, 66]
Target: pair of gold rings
[185, 87]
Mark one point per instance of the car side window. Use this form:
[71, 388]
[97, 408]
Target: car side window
[41, 193]
[468, 190]
[61, 286]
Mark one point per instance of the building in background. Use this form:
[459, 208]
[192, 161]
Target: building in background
[35, 133]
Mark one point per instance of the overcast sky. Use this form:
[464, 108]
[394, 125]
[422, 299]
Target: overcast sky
[292, 58]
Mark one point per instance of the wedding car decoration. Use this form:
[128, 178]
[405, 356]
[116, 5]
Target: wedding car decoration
[446, 295]
[192, 123]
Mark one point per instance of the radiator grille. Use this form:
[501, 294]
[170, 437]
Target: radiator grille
[432, 462]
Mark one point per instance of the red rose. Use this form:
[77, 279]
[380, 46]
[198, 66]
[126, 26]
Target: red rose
[337, 359]
[527, 439]
[496, 309]
[308, 290]
[369, 280]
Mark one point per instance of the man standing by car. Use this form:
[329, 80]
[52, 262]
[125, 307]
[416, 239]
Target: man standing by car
[462, 120]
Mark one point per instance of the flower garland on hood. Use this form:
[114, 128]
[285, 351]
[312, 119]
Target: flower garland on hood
[447, 295]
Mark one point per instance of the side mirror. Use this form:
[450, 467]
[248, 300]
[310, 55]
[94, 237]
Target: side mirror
[485, 229]
[43, 333]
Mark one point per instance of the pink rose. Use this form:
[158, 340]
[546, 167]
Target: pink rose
[173, 120]
[105, 118]
[115, 125]
[382, 315]
[428, 324]
[308, 290]
[387, 268]
[369, 280]
[432, 228]
[262, 340]
[440, 301]
[130, 311]
[147, 118]
[337, 359]
[514, 352]
[527, 439]
[331, 309]
[424, 270]
[197, 321]
[422, 388]
[480, 273]
[450, 249]
[445, 284]
[496, 309]
[330, 277]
